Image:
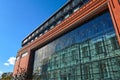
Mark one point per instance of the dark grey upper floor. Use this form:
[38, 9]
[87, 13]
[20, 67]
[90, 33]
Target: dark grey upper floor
[64, 12]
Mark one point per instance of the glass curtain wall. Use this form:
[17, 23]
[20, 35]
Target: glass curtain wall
[86, 61]
[89, 52]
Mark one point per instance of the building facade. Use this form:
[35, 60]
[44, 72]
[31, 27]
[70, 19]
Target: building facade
[81, 41]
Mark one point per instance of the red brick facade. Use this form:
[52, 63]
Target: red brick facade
[114, 7]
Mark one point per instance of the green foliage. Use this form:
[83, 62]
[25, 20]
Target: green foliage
[6, 76]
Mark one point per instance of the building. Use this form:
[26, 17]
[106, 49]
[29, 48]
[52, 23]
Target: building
[79, 42]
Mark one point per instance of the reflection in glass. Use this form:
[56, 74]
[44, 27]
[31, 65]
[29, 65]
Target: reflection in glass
[89, 52]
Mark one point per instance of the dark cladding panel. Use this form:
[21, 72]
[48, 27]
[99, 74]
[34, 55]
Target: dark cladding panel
[59, 15]
[66, 9]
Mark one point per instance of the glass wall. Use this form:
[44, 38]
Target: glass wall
[89, 52]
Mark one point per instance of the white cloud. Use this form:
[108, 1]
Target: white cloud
[6, 64]
[10, 61]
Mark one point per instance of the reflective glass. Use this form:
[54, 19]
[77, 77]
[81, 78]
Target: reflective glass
[89, 52]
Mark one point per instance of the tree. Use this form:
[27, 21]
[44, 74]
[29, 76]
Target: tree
[6, 76]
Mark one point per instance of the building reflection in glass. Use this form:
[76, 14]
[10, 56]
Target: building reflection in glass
[89, 52]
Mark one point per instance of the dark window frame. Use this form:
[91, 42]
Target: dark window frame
[103, 69]
[99, 47]
[85, 51]
[86, 69]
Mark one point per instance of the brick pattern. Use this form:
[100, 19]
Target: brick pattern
[114, 7]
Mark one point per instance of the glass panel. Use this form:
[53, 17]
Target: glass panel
[89, 52]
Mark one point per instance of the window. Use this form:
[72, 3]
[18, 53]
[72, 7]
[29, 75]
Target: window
[29, 37]
[46, 24]
[25, 40]
[66, 8]
[46, 31]
[32, 40]
[103, 69]
[24, 54]
[74, 3]
[52, 27]
[85, 51]
[75, 9]
[114, 42]
[74, 55]
[51, 20]
[33, 34]
[99, 47]
[41, 28]
[36, 37]
[58, 15]
[67, 16]
[86, 69]
[55, 61]
[36, 31]
[40, 34]
[59, 22]
[63, 58]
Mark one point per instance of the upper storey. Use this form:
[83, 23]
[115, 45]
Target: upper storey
[63, 13]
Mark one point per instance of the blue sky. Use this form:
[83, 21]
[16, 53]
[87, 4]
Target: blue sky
[18, 18]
